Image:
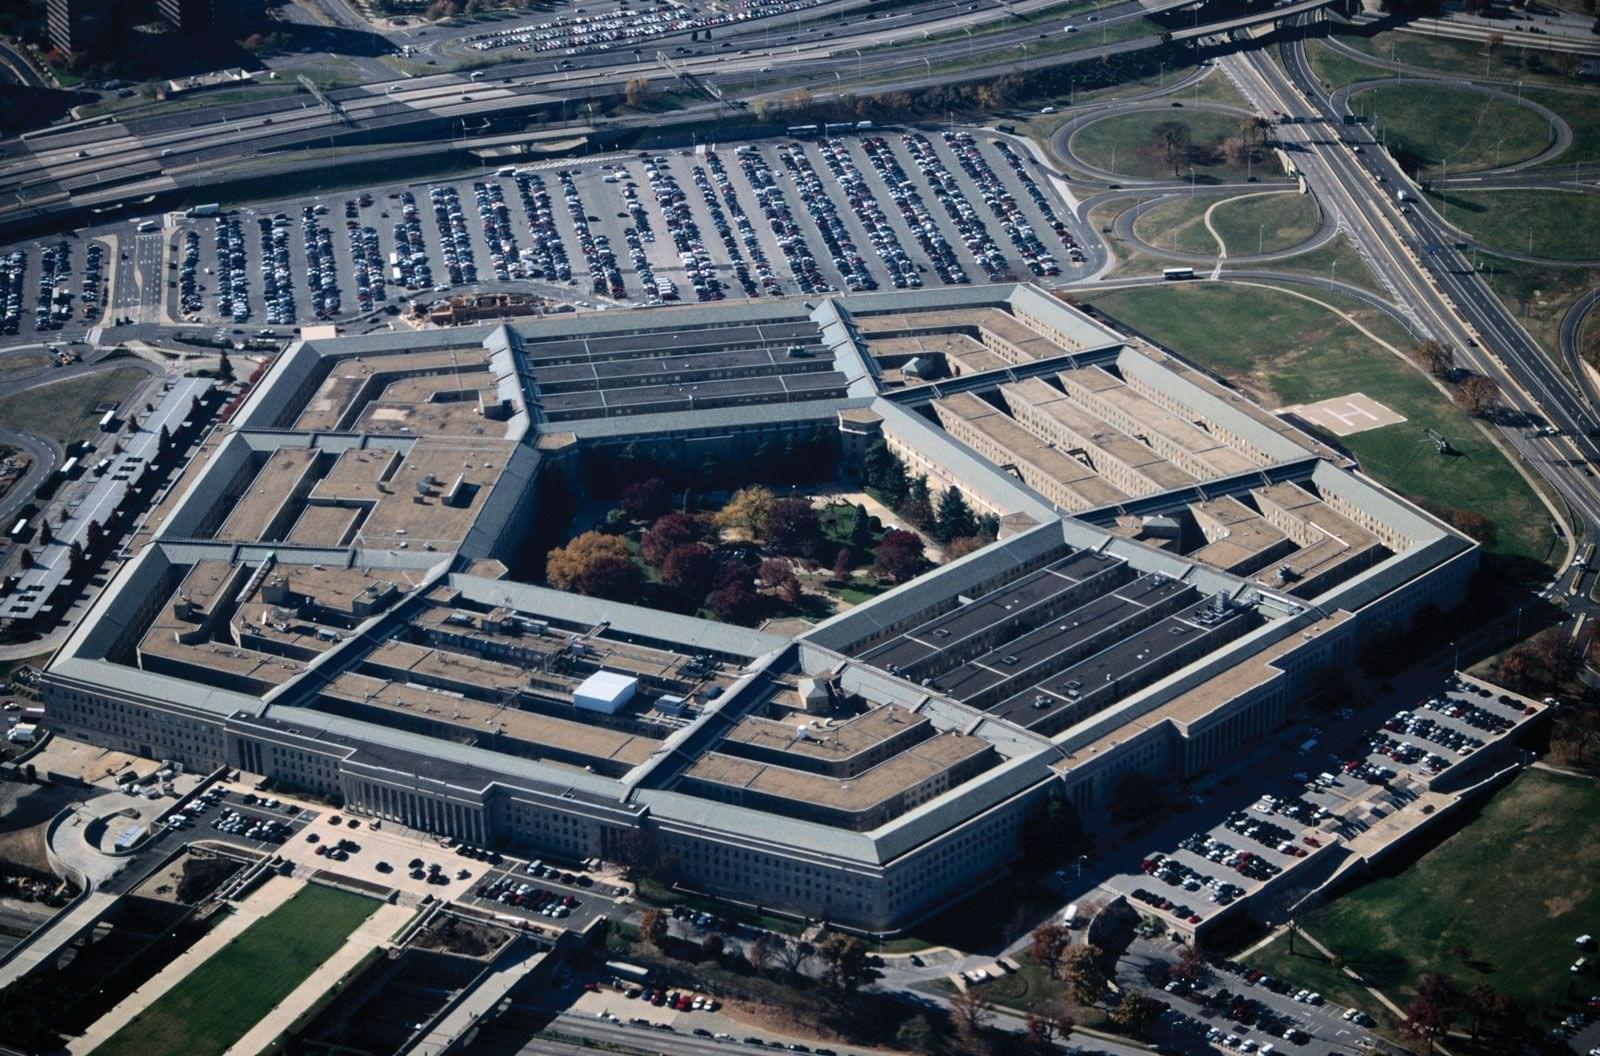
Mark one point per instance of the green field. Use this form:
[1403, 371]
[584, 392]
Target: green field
[1582, 114]
[67, 411]
[1336, 259]
[1460, 58]
[1266, 223]
[1124, 144]
[1514, 887]
[1561, 225]
[1179, 226]
[1288, 350]
[215, 1004]
[1431, 128]
[1335, 69]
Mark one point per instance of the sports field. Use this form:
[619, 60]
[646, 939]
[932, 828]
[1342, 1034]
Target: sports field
[220, 1000]
[1498, 902]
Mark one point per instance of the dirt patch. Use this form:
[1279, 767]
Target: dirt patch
[451, 934]
[1555, 907]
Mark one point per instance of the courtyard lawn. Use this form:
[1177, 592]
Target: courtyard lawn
[221, 999]
[1288, 350]
[1429, 129]
[1561, 225]
[1266, 223]
[1499, 902]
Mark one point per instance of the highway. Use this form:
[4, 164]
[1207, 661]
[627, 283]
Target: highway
[108, 162]
[1410, 250]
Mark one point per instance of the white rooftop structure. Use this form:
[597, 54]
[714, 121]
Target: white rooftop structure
[605, 691]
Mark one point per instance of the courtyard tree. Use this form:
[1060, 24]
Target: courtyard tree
[566, 565]
[690, 569]
[792, 527]
[671, 531]
[645, 500]
[736, 602]
[747, 511]
[843, 565]
[898, 556]
[955, 518]
[885, 473]
[972, 1011]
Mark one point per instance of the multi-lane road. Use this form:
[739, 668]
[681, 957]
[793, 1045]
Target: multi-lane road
[107, 163]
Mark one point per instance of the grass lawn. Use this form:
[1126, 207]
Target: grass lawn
[1514, 886]
[1431, 128]
[1124, 144]
[23, 362]
[1561, 225]
[1288, 350]
[225, 996]
[1053, 44]
[1459, 58]
[1337, 259]
[1334, 69]
[1179, 226]
[1266, 223]
[1583, 115]
[66, 411]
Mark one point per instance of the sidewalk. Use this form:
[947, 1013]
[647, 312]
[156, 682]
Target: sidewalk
[268, 897]
[374, 932]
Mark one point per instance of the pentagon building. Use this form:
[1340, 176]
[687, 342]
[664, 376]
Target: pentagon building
[323, 598]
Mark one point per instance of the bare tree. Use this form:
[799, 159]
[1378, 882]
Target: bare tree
[1171, 139]
[1435, 357]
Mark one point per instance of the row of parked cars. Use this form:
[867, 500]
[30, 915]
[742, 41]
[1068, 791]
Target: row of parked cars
[624, 25]
[1041, 200]
[277, 281]
[1002, 204]
[55, 299]
[604, 275]
[546, 903]
[824, 213]
[907, 198]
[546, 256]
[12, 268]
[774, 204]
[764, 274]
[456, 242]
[693, 254]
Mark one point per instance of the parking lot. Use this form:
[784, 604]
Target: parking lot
[548, 895]
[1357, 771]
[808, 215]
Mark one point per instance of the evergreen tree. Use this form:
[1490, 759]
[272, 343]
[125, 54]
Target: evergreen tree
[955, 518]
[225, 367]
[861, 529]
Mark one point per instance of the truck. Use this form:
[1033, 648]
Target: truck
[1069, 916]
[208, 209]
[1402, 195]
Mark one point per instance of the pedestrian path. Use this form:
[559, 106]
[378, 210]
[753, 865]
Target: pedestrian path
[262, 901]
[374, 932]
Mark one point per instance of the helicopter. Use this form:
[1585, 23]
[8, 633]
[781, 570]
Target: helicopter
[1442, 444]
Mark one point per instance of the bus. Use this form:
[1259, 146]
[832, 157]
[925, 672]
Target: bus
[1173, 274]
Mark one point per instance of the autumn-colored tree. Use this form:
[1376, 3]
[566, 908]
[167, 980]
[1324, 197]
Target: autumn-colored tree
[846, 964]
[1137, 1012]
[747, 511]
[653, 927]
[1191, 966]
[1478, 395]
[1048, 942]
[1435, 357]
[736, 602]
[645, 500]
[673, 530]
[566, 565]
[843, 564]
[898, 556]
[636, 93]
[963, 546]
[1083, 973]
[689, 568]
[758, 953]
[792, 527]
[971, 1009]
